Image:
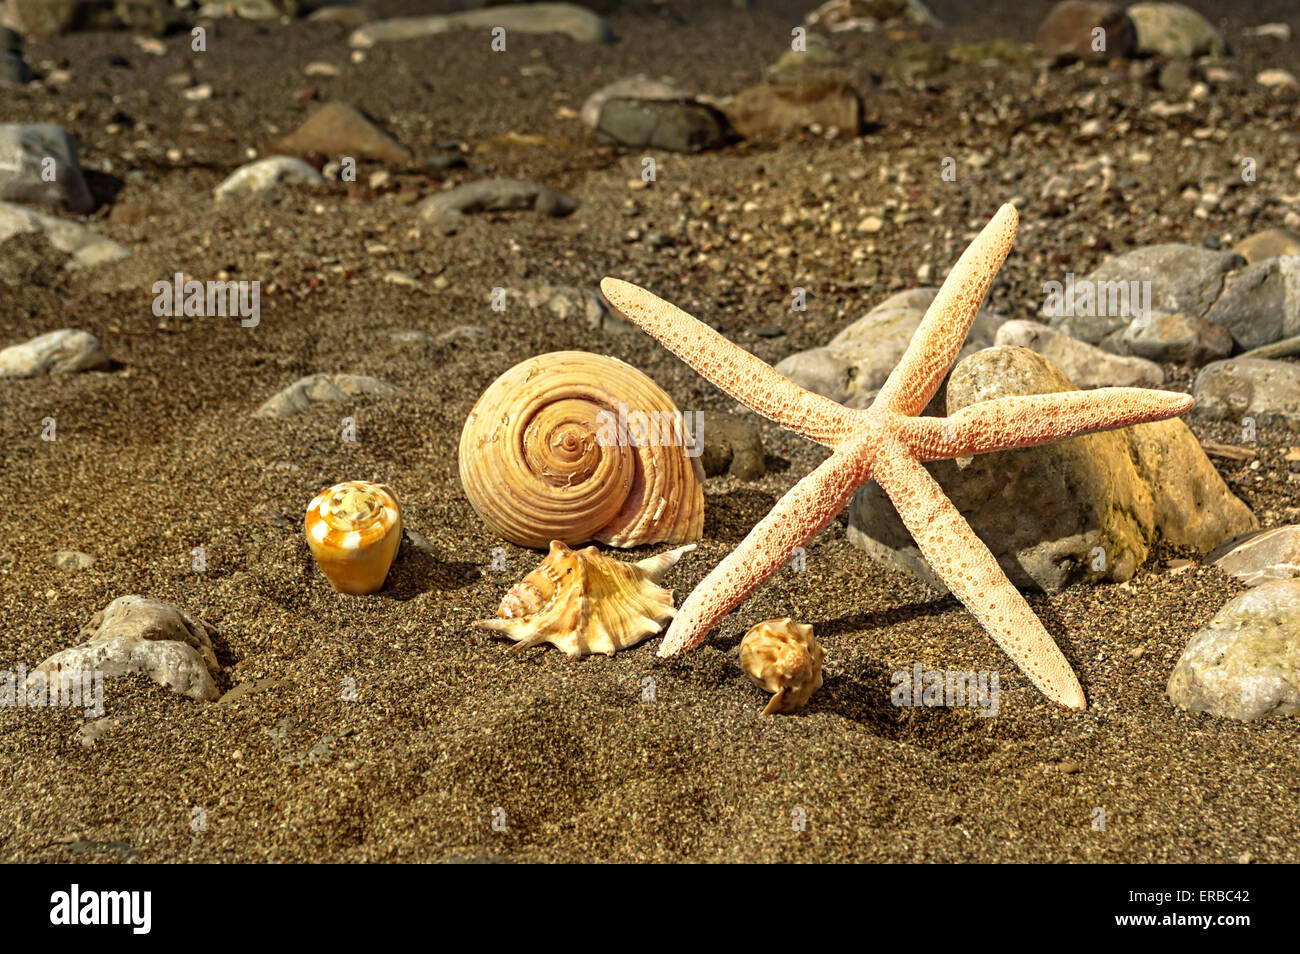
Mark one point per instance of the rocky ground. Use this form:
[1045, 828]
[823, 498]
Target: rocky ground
[385, 728]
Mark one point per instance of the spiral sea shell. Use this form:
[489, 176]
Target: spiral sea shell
[583, 602]
[575, 446]
[784, 658]
[353, 531]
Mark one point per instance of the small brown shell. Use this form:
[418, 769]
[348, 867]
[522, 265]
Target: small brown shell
[784, 658]
[583, 602]
[544, 456]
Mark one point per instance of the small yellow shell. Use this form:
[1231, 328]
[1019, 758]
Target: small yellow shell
[784, 658]
[582, 602]
[353, 531]
[575, 446]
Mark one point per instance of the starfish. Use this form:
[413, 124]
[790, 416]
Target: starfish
[889, 442]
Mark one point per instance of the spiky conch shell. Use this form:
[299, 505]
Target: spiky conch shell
[353, 531]
[581, 602]
[784, 658]
[537, 461]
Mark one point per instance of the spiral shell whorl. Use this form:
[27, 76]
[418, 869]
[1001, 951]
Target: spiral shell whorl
[535, 467]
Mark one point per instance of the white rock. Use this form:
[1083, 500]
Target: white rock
[265, 174]
[56, 352]
[86, 246]
[136, 634]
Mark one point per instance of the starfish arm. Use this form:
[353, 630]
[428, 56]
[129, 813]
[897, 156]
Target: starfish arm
[943, 330]
[746, 378]
[799, 516]
[972, 573]
[1026, 420]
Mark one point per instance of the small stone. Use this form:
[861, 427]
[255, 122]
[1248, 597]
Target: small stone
[578, 24]
[673, 125]
[13, 71]
[71, 560]
[1266, 391]
[451, 208]
[56, 352]
[1270, 243]
[317, 388]
[634, 87]
[777, 110]
[340, 129]
[1262, 556]
[265, 174]
[1174, 30]
[1067, 32]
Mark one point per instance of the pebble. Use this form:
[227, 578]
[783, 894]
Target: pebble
[56, 352]
[327, 388]
[265, 174]
[24, 147]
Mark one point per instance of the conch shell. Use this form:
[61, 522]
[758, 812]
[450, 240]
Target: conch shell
[582, 602]
[353, 531]
[784, 658]
[575, 446]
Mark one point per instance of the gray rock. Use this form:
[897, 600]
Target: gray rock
[71, 560]
[1266, 391]
[10, 42]
[671, 125]
[38, 164]
[1245, 663]
[1177, 339]
[319, 388]
[1260, 303]
[1183, 278]
[1086, 509]
[1085, 365]
[451, 208]
[86, 247]
[732, 446]
[56, 352]
[1066, 33]
[13, 71]
[1260, 557]
[633, 87]
[1171, 29]
[136, 634]
[1270, 243]
[578, 24]
[853, 366]
[266, 174]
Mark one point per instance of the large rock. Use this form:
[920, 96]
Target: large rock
[136, 634]
[1266, 391]
[776, 110]
[38, 165]
[1171, 29]
[1270, 243]
[578, 24]
[1183, 278]
[85, 246]
[340, 129]
[1245, 663]
[265, 174]
[1084, 364]
[1086, 509]
[1260, 303]
[1260, 557]
[1177, 339]
[57, 352]
[317, 388]
[671, 125]
[450, 209]
[853, 366]
[1066, 33]
[633, 87]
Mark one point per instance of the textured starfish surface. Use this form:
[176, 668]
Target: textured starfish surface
[888, 442]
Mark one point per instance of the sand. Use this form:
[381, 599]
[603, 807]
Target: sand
[452, 748]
